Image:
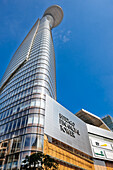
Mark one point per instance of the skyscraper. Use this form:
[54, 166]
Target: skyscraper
[29, 76]
[108, 120]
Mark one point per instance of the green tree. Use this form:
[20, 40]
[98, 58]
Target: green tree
[39, 161]
[50, 163]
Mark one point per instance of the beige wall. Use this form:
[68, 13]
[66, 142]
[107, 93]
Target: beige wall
[66, 156]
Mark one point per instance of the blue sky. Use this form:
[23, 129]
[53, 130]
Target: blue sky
[83, 46]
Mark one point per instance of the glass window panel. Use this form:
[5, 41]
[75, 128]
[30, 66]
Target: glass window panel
[18, 123]
[16, 133]
[18, 146]
[35, 121]
[35, 129]
[10, 126]
[9, 166]
[40, 130]
[8, 113]
[14, 125]
[14, 142]
[14, 165]
[34, 142]
[29, 130]
[23, 122]
[38, 103]
[33, 103]
[42, 103]
[22, 106]
[27, 144]
[41, 120]
[6, 129]
[18, 109]
[30, 120]
[14, 109]
[15, 161]
[40, 143]
[2, 129]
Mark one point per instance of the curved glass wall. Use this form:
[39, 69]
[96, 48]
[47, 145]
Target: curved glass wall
[22, 100]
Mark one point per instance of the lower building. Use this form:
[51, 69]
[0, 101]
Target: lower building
[101, 140]
[74, 143]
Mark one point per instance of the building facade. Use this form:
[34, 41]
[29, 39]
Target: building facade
[109, 121]
[66, 138]
[101, 140]
[29, 76]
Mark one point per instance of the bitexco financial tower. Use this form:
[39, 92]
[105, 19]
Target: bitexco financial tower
[29, 76]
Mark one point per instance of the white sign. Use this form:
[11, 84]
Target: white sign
[99, 152]
[103, 144]
[109, 155]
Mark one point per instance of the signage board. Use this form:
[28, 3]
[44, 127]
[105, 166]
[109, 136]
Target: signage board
[101, 144]
[109, 155]
[101, 147]
[99, 152]
[64, 126]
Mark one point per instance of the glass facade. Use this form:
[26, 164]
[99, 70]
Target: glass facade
[108, 120]
[29, 77]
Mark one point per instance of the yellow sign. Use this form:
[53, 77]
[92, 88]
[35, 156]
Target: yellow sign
[104, 145]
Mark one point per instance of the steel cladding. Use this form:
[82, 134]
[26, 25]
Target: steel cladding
[64, 126]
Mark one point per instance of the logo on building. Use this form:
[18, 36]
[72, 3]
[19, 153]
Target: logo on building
[100, 153]
[67, 126]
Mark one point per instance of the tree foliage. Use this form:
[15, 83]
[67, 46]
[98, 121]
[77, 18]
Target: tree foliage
[39, 161]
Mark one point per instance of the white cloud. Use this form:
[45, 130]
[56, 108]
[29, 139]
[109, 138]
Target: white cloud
[63, 35]
[65, 39]
[68, 32]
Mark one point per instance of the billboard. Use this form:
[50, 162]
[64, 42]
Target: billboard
[64, 126]
[101, 148]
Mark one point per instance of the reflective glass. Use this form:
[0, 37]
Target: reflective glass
[34, 142]
[27, 143]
